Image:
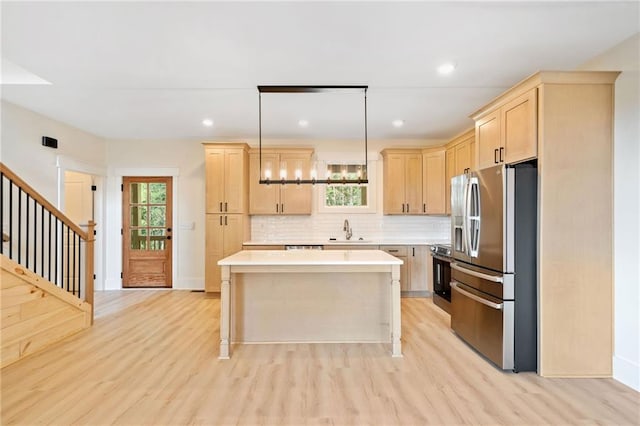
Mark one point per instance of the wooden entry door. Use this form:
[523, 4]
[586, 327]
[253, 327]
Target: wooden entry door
[146, 230]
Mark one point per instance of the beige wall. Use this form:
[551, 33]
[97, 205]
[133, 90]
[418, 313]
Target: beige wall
[22, 150]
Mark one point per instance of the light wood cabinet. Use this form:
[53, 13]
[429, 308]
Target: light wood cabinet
[401, 253]
[414, 279]
[434, 180]
[279, 199]
[488, 140]
[450, 170]
[508, 134]
[520, 124]
[418, 258]
[566, 120]
[463, 157]
[227, 176]
[227, 204]
[224, 235]
[459, 159]
[402, 191]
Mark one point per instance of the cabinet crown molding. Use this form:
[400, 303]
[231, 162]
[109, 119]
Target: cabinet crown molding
[547, 77]
[284, 150]
[223, 145]
[462, 137]
[388, 151]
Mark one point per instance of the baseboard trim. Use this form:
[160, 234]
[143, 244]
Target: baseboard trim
[113, 284]
[626, 372]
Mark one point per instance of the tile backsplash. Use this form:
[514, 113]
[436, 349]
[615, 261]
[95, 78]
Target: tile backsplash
[367, 226]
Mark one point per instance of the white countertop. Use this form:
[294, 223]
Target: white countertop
[310, 257]
[366, 242]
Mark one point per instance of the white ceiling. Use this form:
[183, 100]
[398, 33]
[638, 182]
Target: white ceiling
[154, 70]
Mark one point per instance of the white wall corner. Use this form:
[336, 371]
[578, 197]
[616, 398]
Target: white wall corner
[627, 372]
[189, 283]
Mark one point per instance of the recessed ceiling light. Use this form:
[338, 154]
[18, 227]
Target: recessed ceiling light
[397, 123]
[207, 122]
[447, 68]
[303, 123]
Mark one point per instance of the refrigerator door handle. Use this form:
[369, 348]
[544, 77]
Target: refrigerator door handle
[474, 218]
[493, 278]
[455, 285]
[466, 227]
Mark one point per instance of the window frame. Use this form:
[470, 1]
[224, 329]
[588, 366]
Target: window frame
[371, 190]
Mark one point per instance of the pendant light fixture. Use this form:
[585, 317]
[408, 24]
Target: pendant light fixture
[266, 179]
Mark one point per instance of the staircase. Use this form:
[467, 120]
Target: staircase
[46, 290]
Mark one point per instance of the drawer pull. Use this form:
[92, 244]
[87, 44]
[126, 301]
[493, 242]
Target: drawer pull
[456, 286]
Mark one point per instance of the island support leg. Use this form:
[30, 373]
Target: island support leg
[224, 312]
[396, 345]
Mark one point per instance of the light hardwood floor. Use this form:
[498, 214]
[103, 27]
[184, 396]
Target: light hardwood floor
[151, 359]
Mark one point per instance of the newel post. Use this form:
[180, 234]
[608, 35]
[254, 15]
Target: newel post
[89, 266]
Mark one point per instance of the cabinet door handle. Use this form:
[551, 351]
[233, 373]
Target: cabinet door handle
[220, 220]
[495, 155]
[501, 151]
[282, 208]
[413, 251]
[225, 220]
[424, 208]
[392, 251]
[225, 207]
[220, 206]
[407, 207]
[277, 208]
[402, 207]
[168, 237]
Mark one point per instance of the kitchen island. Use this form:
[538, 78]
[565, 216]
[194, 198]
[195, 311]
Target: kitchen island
[312, 296]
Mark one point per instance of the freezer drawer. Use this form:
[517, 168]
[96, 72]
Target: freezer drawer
[484, 322]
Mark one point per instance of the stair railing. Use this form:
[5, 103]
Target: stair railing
[44, 240]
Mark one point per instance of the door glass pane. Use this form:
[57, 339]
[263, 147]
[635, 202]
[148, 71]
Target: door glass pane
[158, 215]
[157, 239]
[138, 239]
[139, 216]
[138, 192]
[157, 193]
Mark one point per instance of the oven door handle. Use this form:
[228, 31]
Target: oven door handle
[456, 286]
[457, 267]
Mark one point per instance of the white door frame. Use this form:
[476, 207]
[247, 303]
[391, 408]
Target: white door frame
[64, 164]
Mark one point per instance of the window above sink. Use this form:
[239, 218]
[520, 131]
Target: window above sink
[347, 198]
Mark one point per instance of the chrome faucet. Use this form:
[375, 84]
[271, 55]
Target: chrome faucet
[347, 230]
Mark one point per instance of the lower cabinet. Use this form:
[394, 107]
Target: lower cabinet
[414, 277]
[419, 258]
[225, 234]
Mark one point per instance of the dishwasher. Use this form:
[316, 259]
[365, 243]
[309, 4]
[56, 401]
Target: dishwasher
[305, 247]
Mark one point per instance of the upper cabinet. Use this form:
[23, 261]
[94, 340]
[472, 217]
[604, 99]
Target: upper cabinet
[433, 181]
[402, 170]
[459, 159]
[507, 133]
[227, 174]
[277, 199]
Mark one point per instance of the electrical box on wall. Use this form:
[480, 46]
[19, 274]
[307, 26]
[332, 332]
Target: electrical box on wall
[50, 142]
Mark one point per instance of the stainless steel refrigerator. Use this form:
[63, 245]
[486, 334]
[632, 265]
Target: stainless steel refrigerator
[493, 276]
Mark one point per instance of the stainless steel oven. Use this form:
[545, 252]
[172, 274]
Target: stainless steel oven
[441, 254]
